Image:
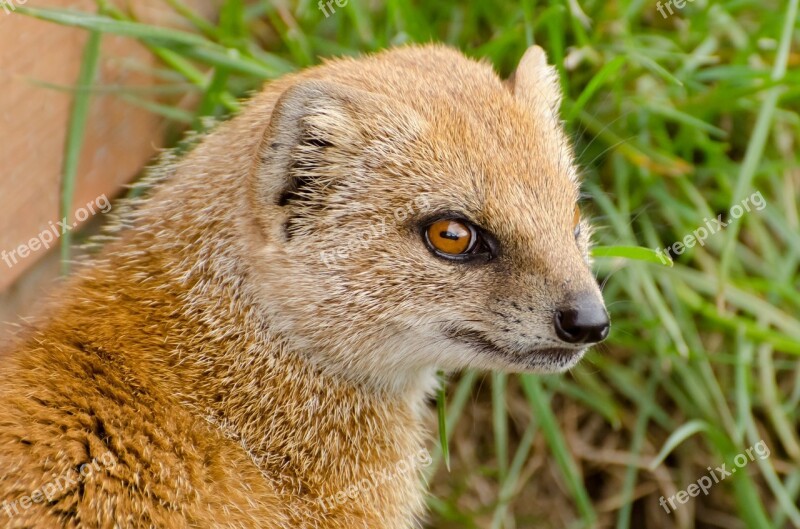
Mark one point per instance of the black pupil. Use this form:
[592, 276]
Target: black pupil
[449, 235]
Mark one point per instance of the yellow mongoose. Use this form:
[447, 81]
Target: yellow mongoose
[256, 343]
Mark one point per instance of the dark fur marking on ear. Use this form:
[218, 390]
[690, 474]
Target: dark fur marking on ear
[316, 141]
[303, 165]
[301, 173]
[293, 190]
[283, 199]
[285, 195]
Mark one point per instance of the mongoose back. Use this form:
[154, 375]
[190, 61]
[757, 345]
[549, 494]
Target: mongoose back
[255, 344]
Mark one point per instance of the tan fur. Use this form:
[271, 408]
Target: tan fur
[231, 377]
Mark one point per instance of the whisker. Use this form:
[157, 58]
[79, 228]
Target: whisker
[606, 126]
[612, 147]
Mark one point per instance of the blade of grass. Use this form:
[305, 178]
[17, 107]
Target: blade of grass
[175, 114]
[76, 134]
[755, 148]
[172, 59]
[500, 421]
[785, 429]
[539, 402]
[202, 25]
[189, 44]
[454, 411]
[636, 253]
[441, 403]
[608, 70]
[680, 435]
[510, 482]
[745, 489]
[639, 434]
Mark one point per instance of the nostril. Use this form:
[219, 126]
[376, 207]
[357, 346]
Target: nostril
[566, 327]
[601, 333]
[588, 324]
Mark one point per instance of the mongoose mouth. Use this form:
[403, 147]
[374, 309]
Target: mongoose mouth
[549, 359]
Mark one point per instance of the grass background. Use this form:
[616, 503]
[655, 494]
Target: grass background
[674, 121]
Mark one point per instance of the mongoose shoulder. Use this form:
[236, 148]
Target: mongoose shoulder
[255, 345]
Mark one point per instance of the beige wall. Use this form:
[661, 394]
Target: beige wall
[120, 139]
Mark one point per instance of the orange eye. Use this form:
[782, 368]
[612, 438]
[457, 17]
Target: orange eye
[451, 237]
[576, 221]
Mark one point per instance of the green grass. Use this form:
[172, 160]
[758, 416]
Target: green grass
[674, 121]
[75, 135]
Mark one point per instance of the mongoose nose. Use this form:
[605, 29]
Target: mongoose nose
[584, 321]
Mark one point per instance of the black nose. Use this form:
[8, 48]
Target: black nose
[583, 321]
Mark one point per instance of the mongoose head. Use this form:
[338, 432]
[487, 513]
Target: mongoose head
[417, 212]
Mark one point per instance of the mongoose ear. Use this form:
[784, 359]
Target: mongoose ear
[535, 82]
[321, 132]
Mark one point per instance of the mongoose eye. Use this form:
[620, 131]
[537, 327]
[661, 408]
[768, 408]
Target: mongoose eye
[451, 237]
[456, 239]
[576, 222]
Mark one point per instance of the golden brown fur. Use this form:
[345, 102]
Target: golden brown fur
[228, 375]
